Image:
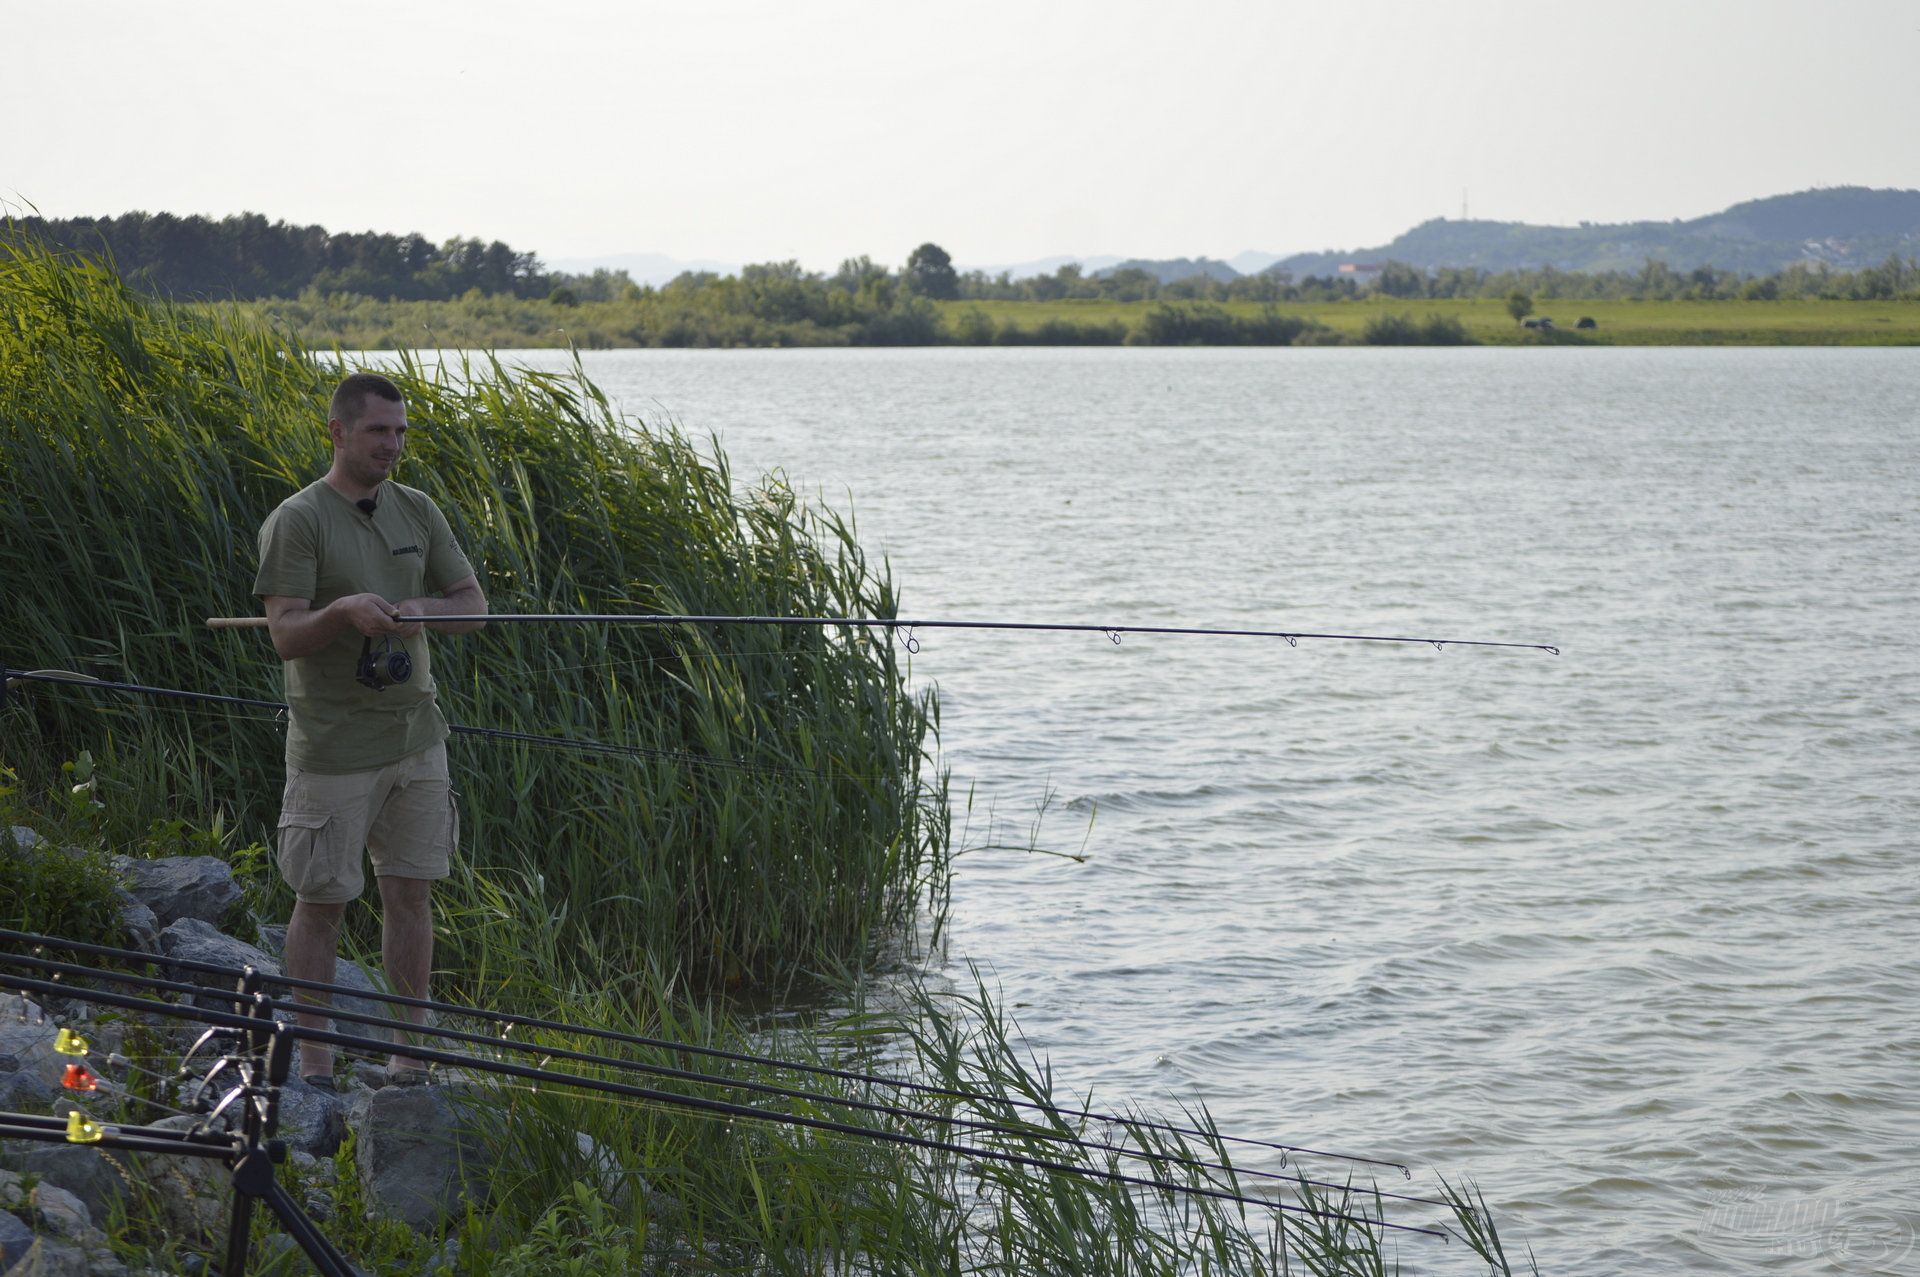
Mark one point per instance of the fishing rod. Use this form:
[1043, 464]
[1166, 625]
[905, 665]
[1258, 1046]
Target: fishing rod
[659, 1070]
[1114, 632]
[294, 1032]
[58, 969]
[512, 1020]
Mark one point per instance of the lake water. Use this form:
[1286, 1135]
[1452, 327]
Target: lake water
[1630, 935]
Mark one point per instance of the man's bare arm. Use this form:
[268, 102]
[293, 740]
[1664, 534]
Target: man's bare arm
[300, 629]
[462, 598]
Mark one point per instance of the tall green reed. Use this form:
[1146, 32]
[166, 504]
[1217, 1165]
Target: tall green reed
[788, 814]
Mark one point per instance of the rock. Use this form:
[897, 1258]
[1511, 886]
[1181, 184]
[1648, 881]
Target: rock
[74, 1175]
[196, 940]
[177, 887]
[312, 1121]
[15, 1240]
[415, 1150]
[447, 1258]
[615, 1184]
[139, 924]
[62, 1240]
[50, 1258]
[19, 838]
[26, 1038]
[103, 1264]
[194, 1195]
[21, 1091]
[63, 1214]
[29, 1066]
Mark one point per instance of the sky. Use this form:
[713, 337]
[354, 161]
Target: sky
[737, 130]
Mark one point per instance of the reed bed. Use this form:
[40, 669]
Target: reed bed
[782, 811]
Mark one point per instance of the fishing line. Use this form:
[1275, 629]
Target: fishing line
[511, 1021]
[299, 1033]
[848, 1141]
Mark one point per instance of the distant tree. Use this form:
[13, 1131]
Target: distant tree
[1519, 305]
[1130, 285]
[930, 273]
[1397, 279]
[856, 273]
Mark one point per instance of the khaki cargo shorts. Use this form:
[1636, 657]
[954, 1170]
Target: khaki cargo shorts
[405, 815]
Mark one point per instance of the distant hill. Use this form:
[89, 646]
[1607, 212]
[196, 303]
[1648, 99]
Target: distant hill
[1844, 226]
[1169, 270]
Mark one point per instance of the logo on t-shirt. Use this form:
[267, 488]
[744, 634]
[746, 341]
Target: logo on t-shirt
[407, 549]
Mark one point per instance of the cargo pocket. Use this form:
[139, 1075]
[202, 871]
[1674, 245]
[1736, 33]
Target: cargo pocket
[307, 857]
[453, 825]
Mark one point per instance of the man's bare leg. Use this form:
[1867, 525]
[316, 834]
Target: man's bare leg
[313, 936]
[406, 945]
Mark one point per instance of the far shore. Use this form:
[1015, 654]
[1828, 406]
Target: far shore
[364, 323]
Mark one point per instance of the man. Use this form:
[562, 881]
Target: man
[340, 561]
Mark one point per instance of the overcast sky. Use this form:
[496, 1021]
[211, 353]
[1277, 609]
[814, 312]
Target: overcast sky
[750, 131]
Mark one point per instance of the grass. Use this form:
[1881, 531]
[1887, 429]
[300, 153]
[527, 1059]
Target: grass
[1620, 323]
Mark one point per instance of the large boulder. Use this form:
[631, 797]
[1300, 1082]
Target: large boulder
[417, 1152]
[176, 887]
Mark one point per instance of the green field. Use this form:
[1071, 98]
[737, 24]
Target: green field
[1620, 323]
[362, 323]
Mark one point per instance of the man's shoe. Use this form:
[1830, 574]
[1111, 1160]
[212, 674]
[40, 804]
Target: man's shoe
[322, 1082]
[407, 1077]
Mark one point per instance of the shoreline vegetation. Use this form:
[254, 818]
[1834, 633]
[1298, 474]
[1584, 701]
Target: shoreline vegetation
[781, 822]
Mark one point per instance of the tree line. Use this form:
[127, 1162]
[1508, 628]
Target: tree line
[248, 257]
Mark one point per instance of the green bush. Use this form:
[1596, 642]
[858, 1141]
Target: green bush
[1405, 330]
[1063, 332]
[55, 887]
[1204, 324]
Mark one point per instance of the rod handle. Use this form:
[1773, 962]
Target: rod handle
[236, 622]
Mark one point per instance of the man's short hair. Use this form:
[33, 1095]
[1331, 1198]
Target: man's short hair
[350, 396]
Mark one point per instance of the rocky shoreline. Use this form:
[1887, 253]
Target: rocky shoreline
[416, 1155]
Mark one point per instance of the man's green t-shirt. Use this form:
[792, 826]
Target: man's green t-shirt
[319, 546]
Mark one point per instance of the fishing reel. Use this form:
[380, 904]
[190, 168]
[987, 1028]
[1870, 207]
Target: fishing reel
[383, 666]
